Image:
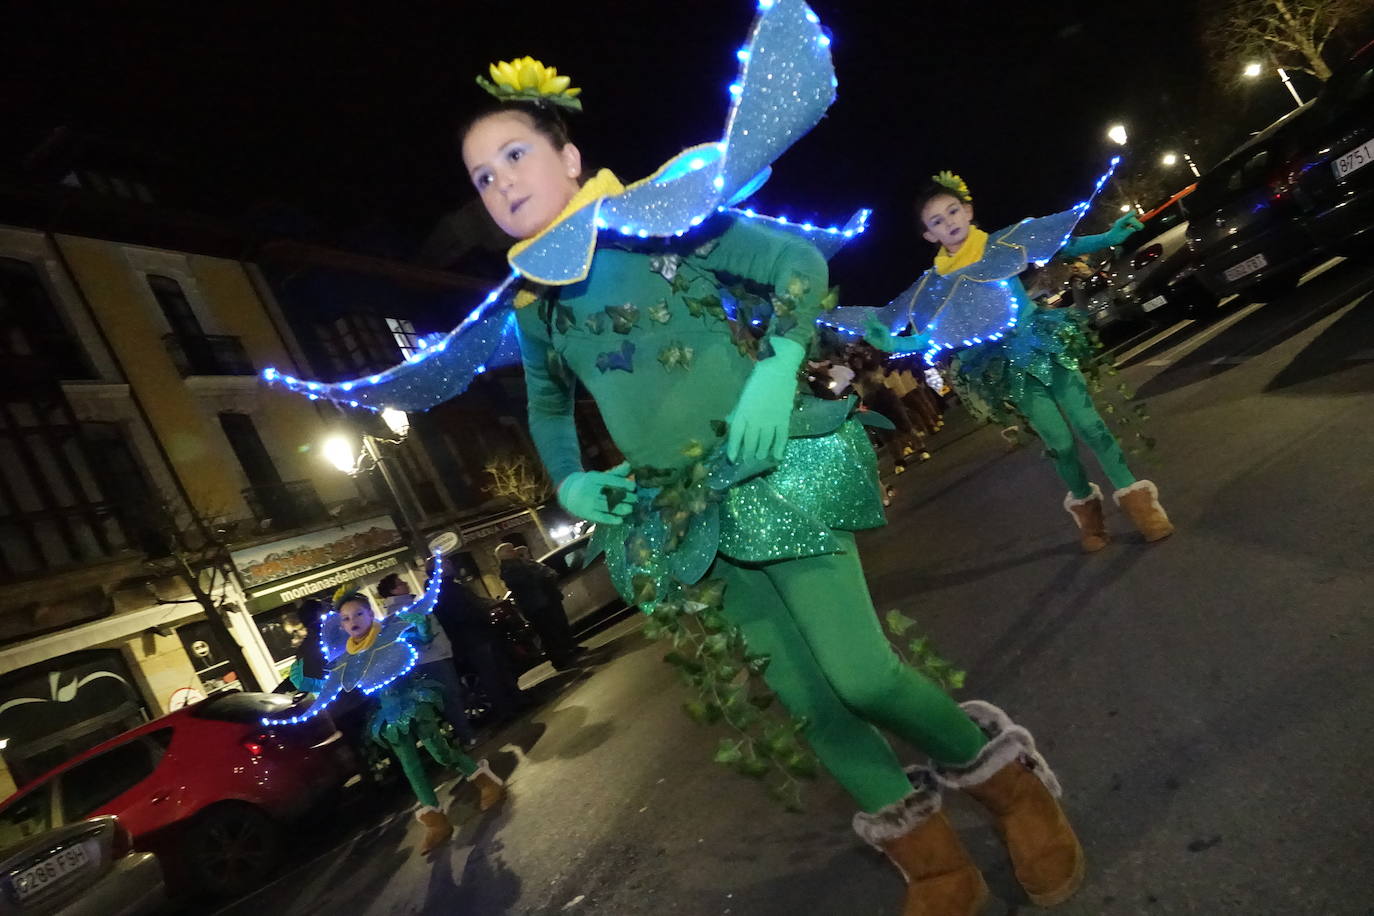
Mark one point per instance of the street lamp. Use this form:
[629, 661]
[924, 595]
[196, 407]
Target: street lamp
[1117, 134]
[1171, 159]
[1253, 70]
[338, 451]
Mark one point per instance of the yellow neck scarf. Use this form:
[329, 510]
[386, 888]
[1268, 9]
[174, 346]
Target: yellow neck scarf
[969, 253]
[602, 184]
[364, 643]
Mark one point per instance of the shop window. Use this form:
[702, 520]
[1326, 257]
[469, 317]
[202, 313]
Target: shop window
[282, 631]
[208, 657]
[90, 786]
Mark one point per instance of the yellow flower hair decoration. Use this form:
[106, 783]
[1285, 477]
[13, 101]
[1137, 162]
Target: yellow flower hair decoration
[528, 80]
[948, 179]
[344, 592]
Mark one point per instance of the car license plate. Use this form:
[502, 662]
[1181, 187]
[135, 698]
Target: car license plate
[1248, 266]
[35, 880]
[1357, 158]
[1154, 303]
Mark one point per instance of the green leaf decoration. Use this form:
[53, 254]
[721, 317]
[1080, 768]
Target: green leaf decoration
[676, 356]
[622, 359]
[720, 428]
[563, 318]
[666, 265]
[615, 496]
[596, 324]
[624, 318]
[704, 250]
[798, 286]
[898, 623]
[831, 300]
[644, 589]
[693, 449]
[680, 283]
[729, 751]
[660, 313]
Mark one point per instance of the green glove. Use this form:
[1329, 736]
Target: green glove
[877, 334]
[585, 494]
[1123, 229]
[420, 623]
[757, 427]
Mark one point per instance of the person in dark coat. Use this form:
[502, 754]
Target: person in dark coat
[465, 617]
[535, 589]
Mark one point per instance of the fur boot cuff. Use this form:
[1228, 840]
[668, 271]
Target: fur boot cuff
[1147, 486]
[484, 769]
[1070, 501]
[1007, 742]
[421, 811]
[901, 817]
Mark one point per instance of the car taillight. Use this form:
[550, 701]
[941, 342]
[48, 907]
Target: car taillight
[121, 844]
[255, 745]
[1146, 256]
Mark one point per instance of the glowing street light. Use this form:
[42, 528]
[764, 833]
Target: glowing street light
[1169, 159]
[1117, 134]
[398, 421]
[1253, 70]
[1125, 208]
[338, 452]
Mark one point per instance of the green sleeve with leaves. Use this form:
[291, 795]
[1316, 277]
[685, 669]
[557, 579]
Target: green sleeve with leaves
[793, 269]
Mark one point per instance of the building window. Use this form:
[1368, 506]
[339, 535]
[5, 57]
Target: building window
[403, 332]
[359, 344]
[32, 329]
[175, 306]
[276, 503]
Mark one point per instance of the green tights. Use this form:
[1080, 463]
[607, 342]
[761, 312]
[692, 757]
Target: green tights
[441, 750]
[832, 664]
[1046, 406]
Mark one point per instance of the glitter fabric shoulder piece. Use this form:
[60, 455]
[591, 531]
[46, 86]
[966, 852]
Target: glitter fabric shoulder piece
[786, 83]
[977, 303]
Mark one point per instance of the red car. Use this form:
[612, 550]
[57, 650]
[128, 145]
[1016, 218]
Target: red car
[206, 787]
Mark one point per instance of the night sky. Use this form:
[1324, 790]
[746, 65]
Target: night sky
[347, 109]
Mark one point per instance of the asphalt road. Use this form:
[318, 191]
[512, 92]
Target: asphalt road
[1206, 701]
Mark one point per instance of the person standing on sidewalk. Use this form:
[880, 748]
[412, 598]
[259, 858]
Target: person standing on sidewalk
[535, 588]
[436, 661]
[464, 616]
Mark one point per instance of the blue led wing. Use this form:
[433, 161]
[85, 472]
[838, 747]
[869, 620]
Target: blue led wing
[786, 83]
[442, 370]
[829, 239]
[333, 639]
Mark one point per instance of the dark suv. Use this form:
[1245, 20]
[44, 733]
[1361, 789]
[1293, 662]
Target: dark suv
[1334, 177]
[1244, 226]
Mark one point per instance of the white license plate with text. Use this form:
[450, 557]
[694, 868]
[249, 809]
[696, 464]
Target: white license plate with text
[35, 880]
[1154, 303]
[1357, 158]
[1244, 268]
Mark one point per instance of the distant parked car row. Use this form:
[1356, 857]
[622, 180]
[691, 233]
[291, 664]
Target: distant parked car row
[1295, 194]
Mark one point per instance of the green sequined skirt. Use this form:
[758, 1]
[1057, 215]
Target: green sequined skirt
[410, 706]
[826, 481]
[991, 378]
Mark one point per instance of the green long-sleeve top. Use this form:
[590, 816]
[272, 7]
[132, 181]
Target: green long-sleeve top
[650, 334]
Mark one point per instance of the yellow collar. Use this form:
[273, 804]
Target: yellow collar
[602, 184]
[355, 646]
[971, 252]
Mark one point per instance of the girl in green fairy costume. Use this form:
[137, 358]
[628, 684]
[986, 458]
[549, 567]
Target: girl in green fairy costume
[737, 494]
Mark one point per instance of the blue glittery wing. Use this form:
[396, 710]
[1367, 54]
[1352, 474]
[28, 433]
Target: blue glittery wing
[829, 240]
[442, 370]
[786, 83]
[333, 639]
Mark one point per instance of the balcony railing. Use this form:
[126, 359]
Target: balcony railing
[208, 354]
[293, 504]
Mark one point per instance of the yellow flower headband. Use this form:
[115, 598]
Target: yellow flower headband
[528, 80]
[954, 183]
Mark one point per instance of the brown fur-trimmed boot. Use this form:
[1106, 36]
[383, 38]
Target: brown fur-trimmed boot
[1012, 780]
[437, 828]
[490, 786]
[1087, 513]
[915, 834]
[1140, 501]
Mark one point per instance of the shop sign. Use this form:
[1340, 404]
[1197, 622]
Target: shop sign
[506, 524]
[294, 589]
[445, 543]
[302, 555]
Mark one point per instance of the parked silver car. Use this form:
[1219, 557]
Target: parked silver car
[88, 868]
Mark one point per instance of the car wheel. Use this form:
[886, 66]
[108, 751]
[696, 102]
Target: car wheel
[231, 849]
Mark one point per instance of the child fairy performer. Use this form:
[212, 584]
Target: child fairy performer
[687, 321]
[1012, 351]
[378, 657]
